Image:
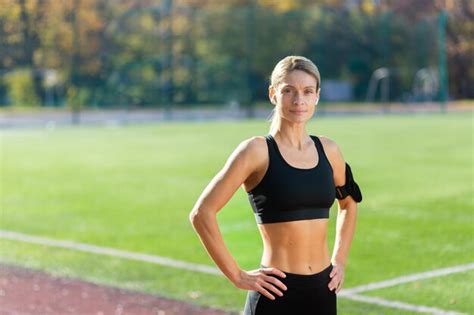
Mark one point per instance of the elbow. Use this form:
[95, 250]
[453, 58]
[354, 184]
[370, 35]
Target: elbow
[197, 216]
[194, 217]
[348, 204]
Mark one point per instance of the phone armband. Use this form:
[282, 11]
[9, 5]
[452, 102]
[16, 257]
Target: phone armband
[350, 187]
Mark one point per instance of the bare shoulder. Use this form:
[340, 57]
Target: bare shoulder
[250, 155]
[256, 143]
[253, 148]
[330, 146]
[335, 158]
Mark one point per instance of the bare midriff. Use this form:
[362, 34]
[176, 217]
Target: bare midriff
[296, 247]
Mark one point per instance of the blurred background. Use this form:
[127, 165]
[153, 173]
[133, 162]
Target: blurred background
[184, 54]
[90, 192]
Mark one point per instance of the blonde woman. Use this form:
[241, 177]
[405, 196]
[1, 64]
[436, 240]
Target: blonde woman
[292, 179]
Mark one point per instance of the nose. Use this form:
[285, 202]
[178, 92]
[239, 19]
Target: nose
[298, 99]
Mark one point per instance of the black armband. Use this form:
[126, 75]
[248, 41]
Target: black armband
[349, 188]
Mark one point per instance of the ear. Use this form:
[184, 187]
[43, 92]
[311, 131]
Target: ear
[271, 94]
[317, 96]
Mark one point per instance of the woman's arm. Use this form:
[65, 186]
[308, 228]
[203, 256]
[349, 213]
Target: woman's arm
[240, 165]
[345, 228]
[346, 217]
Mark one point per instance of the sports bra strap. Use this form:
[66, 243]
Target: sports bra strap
[319, 146]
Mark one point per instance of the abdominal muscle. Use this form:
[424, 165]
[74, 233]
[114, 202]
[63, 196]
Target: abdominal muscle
[296, 247]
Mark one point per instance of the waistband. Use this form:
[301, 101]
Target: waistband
[294, 280]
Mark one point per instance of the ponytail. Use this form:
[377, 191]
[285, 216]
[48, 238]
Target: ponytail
[275, 121]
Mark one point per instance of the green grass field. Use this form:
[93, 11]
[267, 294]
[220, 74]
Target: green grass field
[132, 188]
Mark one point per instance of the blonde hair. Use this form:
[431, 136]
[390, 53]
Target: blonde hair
[283, 68]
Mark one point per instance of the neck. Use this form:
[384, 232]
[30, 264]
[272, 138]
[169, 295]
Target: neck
[293, 136]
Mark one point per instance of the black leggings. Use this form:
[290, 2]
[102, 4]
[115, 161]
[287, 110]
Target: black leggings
[306, 294]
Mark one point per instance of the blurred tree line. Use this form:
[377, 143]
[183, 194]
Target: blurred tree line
[157, 53]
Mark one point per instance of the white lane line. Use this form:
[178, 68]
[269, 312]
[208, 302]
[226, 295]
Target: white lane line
[349, 293]
[397, 304]
[408, 278]
[165, 261]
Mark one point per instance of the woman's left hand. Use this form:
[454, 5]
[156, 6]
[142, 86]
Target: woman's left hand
[337, 278]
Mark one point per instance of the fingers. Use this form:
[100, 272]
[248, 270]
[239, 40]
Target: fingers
[274, 271]
[332, 284]
[265, 293]
[337, 278]
[276, 282]
[271, 284]
[339, 287]
[272, 288]
[336, 282]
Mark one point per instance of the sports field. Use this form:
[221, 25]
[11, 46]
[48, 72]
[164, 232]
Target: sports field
[131, 189]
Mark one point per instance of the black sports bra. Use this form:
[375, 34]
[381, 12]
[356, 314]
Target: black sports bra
[287, 193]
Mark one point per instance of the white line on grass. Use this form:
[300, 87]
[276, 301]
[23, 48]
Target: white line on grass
[397, 304]
[408, 278]
[165, 261]
[350, 293]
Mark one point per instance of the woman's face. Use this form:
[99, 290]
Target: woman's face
[295, 97]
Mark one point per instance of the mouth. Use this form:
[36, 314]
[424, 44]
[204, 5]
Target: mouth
[298, 112]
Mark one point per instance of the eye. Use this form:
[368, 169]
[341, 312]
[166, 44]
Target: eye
[286, 90]
[309, 91]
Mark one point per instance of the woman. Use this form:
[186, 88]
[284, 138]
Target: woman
[292, 179]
